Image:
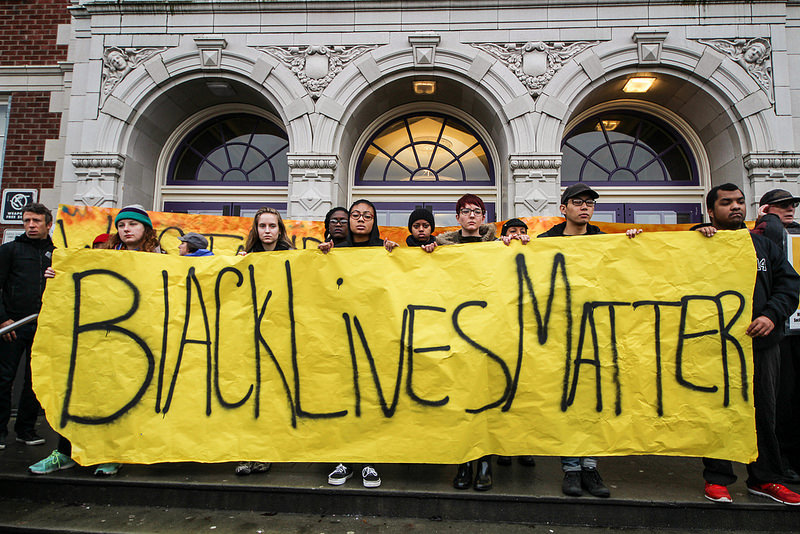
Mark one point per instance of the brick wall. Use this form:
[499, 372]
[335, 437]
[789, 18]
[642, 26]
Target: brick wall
[28, 31]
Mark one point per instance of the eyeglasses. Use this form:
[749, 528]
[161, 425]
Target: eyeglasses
[467, 211]
[580, 202]
[367, 216]
[338, 222]
[787, 204]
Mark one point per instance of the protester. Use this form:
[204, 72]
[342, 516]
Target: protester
[363, 232]
[193, 244]
[100, 241]
[134, 231]
[775, 297]
[514, 227]
[23, 264]
[577, 207]
[421, 225]
[336, 225]
[776, 219]
[268, 233]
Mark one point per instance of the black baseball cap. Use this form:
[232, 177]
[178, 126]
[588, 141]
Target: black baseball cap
[578, 189]
[776, 196]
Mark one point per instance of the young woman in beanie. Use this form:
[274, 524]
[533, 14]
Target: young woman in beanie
[421, 225]
[134, 231]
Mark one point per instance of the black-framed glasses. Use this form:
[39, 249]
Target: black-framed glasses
[474, 211]
[367, 216]
[580, 202]
[338, 222]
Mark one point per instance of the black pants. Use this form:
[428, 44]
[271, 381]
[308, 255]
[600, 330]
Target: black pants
[767, 468]
[788, 415]
[10, 354]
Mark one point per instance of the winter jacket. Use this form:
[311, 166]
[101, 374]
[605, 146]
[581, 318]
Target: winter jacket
[777, 288]
[558, 230]
[22, 265]
[201, 252]
[454, 237]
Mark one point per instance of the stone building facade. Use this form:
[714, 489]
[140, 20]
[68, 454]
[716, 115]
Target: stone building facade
[224, 106]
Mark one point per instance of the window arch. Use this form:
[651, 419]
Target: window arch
[425, 148]
[231, 149]
[627, 148]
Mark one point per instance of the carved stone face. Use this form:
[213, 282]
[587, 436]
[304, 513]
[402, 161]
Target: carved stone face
[117, 60]
[754, 52]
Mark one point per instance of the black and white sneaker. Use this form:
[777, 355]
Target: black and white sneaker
[249, 468]
[370, 477]
[29, 437]
[2, 441]
[340, 475]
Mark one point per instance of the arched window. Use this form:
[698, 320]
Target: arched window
[627, 148]
[233, 149]
[425, 148]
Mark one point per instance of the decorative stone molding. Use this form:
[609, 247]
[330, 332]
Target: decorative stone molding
[97, 177]
[423, 45]
[316, 66]
[210, 51]
[649, 44]
[754, 55]
[535, 62]
[535, 182]
[311, 184]
[118, 62]
[772, 171]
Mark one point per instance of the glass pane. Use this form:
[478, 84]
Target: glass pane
[373, 164]
[652, 173]
[452, 173]
[602, 157]
[476, 165]
[425, 128]
[570, 165]
[622, 151]
[393, 138]
[397, 173]
[407, 157]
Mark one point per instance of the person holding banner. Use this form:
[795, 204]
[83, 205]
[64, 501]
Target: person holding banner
[775, 297]
[23, 265]
[337, 223]
[193, 244]
[421, 225]
[134, 231]
[268, 234]
[577, 207]
[776, 219]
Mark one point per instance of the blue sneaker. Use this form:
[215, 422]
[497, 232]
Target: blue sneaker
[106, 470]
[55, 462]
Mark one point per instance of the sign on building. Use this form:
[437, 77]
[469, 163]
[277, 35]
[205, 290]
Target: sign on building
[13, 202]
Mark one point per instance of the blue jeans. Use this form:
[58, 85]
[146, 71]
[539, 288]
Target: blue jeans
[575, 463]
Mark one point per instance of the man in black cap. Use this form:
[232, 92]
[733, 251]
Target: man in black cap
[577, 207]
[193, 244]
[776, 219]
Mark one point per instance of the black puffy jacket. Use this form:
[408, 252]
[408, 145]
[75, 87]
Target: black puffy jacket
[22, 265]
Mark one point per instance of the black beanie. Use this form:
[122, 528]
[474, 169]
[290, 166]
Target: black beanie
[421, 213]
[512, 223]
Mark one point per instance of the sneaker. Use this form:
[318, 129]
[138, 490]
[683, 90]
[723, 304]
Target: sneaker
[250, 468]
[717, 493]
[29, 437]
[55, 462]
[2, 441]
[591, 482]
[572, 484]
[370, 477]
[776, 492]
[106, 470]
[340, 475]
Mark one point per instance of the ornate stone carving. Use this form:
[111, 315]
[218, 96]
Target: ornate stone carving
[316, 66]
[752, 54]
[118, 62]
[768, 160]
[536, 62]
[312, 162]
[311, 184]
[535, 184]
[97, 176]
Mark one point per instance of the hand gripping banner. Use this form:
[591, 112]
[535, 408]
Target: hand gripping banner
[597, 345]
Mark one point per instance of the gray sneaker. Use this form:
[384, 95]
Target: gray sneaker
[250, 468]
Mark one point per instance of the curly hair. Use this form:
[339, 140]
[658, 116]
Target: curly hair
[149, 241]
[252, 238]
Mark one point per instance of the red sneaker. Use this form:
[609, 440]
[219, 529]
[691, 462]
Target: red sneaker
[717, 493]
[776, 492]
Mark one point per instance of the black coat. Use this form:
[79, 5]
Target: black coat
[777, 288]
[22, 265]
[558, 230]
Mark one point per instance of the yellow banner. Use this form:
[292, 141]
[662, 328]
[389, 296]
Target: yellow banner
[77, 226]
[596, 345]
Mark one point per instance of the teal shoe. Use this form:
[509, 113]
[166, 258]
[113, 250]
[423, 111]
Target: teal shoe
[55, 462]
[106, 470]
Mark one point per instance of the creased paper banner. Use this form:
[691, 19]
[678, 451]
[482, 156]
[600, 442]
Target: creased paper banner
[596, 345]
[77, 226]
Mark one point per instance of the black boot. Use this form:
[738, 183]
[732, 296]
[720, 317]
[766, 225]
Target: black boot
[483, 479]
[463, 477]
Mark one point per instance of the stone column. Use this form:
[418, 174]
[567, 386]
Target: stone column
[312, 188]
[97, 178]
[771, 170]
[535, 184]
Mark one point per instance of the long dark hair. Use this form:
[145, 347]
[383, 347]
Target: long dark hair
[253, 242]
[374, 236]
